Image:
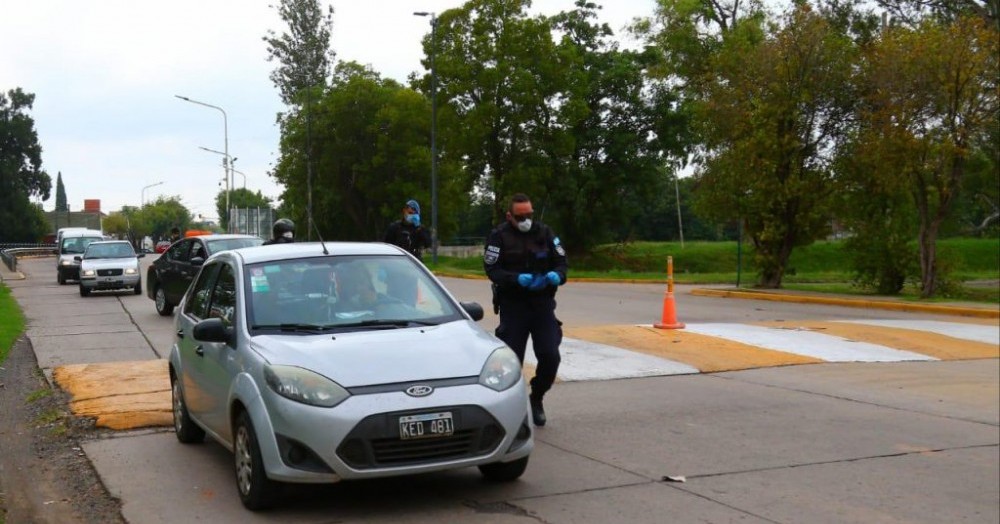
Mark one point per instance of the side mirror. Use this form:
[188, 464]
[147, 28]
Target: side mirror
[140, 255]
[473, 309]
[213, 330]
[197, 261]
[78, 258]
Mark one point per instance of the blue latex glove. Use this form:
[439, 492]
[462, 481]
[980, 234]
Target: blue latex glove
[539, 282]
[524, 279]
[553, 278]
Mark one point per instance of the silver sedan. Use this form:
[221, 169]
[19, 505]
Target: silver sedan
[316, 363]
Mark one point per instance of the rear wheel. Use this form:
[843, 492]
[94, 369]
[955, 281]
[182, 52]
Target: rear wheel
[256, 490]
[187, 431]
[84, 292]
[504, 471]
[163, 307]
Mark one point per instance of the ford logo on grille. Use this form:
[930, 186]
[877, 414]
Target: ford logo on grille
[419, 391]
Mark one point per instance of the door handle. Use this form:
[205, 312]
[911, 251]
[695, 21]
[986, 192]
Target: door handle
[200, 351]
[180, 333]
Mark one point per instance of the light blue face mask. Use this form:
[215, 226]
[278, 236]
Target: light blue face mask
[413, 219]
[524, 226]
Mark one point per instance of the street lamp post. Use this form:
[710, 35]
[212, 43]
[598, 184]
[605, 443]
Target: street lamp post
[232, 160]
[434, 196]
[225, 130]
[143, 200]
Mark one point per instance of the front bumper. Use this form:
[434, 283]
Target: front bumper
[360, 437]
[100, 283]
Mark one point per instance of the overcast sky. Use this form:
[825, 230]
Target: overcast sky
[105, 72]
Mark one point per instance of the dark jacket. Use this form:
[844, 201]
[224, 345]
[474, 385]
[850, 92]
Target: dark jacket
[510, 252]
[408, 236]
[279, 240]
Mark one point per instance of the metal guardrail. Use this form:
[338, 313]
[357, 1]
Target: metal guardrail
[10, 252]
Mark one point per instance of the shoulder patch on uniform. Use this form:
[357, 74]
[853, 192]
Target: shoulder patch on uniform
[555, 241]
[491, 255]
[560, 250]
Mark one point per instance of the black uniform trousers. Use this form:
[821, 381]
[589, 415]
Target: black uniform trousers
[534, 316]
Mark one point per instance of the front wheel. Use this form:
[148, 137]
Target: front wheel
[504, 471]
[163, 307]
[187, 431]
[60, 277]
[84, 292]
[256, 490]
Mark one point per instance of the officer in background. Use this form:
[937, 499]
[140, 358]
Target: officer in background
[407, 232]
[526, 263]
[282, 232]
[175, 235]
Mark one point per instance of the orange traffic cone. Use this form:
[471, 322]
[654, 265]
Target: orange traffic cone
[669, 318]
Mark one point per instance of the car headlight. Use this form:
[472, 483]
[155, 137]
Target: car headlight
[502, 370]
[67, 262]
[88, 273]
[130, 271]
[302, 385]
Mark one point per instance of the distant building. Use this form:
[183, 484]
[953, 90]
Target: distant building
[91, 217]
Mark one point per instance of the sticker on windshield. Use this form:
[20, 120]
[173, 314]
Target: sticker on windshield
[272, 269]
[259, 284]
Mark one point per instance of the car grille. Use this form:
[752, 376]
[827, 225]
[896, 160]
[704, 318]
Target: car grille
[375, 441]
[109, 272]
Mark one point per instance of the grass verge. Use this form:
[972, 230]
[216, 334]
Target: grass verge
[11, 322]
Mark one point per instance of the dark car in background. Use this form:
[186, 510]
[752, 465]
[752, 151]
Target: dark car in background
[168, 277]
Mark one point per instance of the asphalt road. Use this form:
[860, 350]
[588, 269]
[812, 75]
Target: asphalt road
[848, 442]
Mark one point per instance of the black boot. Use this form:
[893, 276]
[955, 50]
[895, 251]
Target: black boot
[537, 411]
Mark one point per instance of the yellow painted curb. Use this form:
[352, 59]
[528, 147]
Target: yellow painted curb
[851, 302]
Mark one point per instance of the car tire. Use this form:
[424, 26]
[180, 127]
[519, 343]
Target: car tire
[60, 277]
[255, 489]
[84, 292]
[164, 308]
[504, 471]
[138, 288]
[186, 430]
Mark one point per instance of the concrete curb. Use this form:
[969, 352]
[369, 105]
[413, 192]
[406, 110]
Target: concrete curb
[851, 302]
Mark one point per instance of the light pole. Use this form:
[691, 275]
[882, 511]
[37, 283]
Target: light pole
[143, 201]
[434, 195]
[232, 160]
[225, 131]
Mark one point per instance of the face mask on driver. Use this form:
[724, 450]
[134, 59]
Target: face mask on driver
[288, 234]
[524, 226]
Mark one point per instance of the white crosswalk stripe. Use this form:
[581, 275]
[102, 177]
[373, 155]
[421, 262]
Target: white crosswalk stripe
[582, 360]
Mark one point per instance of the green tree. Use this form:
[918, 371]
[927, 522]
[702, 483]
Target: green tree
[240, 198]
[770, 120]
[371, 139]
[156, 219]
[496, 81]
[61, 204]
[21, 173]
[931, 99]
[303, 52]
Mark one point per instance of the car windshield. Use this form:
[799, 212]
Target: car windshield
[214, 246]
[116, 250]
[77, 245]
[344, 293]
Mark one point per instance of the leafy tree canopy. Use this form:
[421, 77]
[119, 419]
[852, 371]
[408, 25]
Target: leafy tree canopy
[21, 173]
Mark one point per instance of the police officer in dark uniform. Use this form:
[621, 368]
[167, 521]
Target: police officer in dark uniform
[526, 263]
[407, 232]
[282, 232]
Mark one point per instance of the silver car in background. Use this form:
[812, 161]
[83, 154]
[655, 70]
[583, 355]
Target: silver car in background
[317, 363]
[109, 265]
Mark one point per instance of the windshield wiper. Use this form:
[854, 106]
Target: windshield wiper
[387, 323]
[307, 328]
